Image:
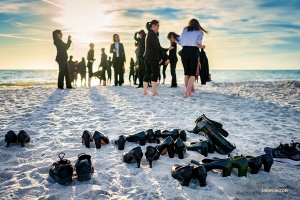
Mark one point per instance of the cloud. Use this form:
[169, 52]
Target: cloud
[22, 37]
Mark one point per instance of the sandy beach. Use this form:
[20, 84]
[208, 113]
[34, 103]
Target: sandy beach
[256, 115]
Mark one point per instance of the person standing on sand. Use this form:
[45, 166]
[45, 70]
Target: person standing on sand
[90, 60]
[109, 62]
[190, 40]
[104, 65]
[71, 65]
[141, 57]
[76, 70]
[61, 59]
[117, 49]
[173, 57]
[152, 57]
[131, 70]
[82, 70]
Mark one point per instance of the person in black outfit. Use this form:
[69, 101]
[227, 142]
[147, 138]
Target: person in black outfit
[104, 65]
[76, 70]
[141, 51]
[173, 57]
[152, 57]
[61, 59]
[109, 62]
[71, 65]
[119, 59]
[82, 70]
[131, 72]
[90, 60]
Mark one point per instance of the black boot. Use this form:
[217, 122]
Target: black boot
[201, 147]
[133, 156]
[151, 154]
[267, 161]
[120, 141]
[167, 144]
[139, 137]
[10, 137]
[100, 138]
[180, 148]
[23, 137]
[61, 171]
[86, 138]
[84, 167]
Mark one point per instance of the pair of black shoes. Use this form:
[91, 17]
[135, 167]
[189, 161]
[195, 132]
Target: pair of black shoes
[186, 173]
[202, 146]
[136, 154]
[215, 132]
[172, 147]
[255, 162]
[12, 137]
[98, 137]
[141, 138]
[62, 171]
[174, 133]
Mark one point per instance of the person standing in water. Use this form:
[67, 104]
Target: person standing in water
[117, 49]
[90, 60]
[152, 57]
[61, 59]
[190, 40]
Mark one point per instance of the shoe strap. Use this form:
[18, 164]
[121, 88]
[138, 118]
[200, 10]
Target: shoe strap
[61, 155]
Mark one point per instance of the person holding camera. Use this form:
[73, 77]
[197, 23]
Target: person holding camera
[61, 59]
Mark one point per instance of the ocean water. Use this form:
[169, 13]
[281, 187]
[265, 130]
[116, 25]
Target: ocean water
[23, 78]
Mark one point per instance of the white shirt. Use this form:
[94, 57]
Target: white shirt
[117, 48]
[192, 38]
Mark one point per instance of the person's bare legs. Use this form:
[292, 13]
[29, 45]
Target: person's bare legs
[145, 86]
[154, 88]
[186, 79]
[188, 91]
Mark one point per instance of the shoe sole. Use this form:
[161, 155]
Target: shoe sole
[61, 181]
[287, 160]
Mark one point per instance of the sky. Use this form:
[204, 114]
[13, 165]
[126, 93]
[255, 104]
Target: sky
[243, 35]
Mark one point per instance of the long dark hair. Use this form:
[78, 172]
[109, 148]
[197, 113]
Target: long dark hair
[54, 35]
[131, 61]
[194, 25]
[143, 33]
[149, 24]
[175, 35]
[114, 37]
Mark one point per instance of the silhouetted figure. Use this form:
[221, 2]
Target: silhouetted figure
[141, 39]
[117, 49]
[104, 65]
[90, 60]
[82, 70]
[173, 57]
[71, 64]
[61, 59]
[109, 70]
[131, 72]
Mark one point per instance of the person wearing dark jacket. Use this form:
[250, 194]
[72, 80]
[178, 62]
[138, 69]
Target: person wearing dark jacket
[131, 71]
[152, 57]
[173, 57]
[109, 62]
[71, 65]
[90, 60]
[104, 65]
[204, 72]
[117, 49]
[61, 59]
[141, 38]
[82, 70]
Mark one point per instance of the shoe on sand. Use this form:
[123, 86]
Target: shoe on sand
[84, 167]
[285, 153]
[61, 171]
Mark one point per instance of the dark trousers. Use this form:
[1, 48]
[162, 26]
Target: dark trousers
[63, 72]
[131, 73]
[173, 73]
[119, 71]
[164, 70]
[136, 75]
[152, 67]
[189, 58]
[109, 74]
[90, 69]
[142, 71]
[103, 77]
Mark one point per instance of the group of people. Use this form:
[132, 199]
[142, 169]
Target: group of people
[149, 57]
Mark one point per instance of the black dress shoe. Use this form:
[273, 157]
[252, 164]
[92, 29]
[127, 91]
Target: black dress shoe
[267, 161]
[224, 164]
[180, 148]
[254, 164]
[10, 137]
[100, 138]
[84, 167]
[86, 138]
[222, 145]
[23, 137]
[167, 144]
[151, 154]
[241, 163]
[120, 141]
[133, 156]
[139, 137]
[200, 146]
[61, 171]
[150, 137]
[174, 134]
[182, 173]
[218, 126]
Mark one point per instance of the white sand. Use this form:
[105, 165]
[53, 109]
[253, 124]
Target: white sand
[256, 115]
